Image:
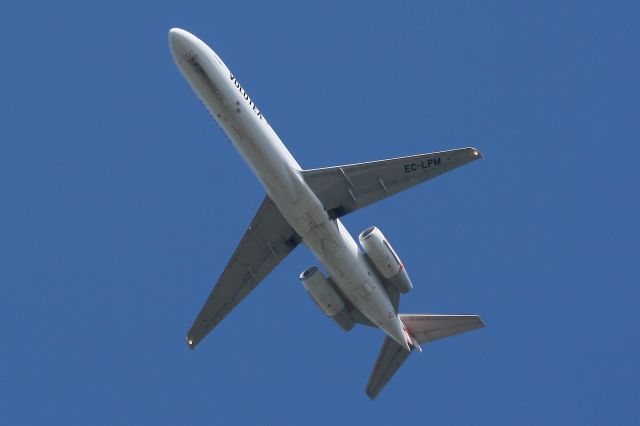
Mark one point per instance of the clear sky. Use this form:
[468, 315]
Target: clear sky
[121, 202]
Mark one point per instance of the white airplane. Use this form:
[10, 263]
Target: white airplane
[304, 206]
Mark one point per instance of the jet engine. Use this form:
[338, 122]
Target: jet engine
[326, 297]
[385, 259]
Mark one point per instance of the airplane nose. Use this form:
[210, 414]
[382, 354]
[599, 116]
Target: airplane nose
[175, 33]
[178, 39]
[184, 44]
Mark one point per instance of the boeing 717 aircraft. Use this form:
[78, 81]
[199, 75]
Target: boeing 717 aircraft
[363, 283]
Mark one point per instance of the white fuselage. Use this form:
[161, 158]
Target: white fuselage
[281, 176]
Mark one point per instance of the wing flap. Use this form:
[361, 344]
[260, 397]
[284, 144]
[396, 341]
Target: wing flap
[344, 189]
[268, 240]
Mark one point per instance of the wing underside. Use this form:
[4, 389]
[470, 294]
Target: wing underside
[268, 240]
[344, 189]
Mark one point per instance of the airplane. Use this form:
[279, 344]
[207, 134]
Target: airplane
[364, 284]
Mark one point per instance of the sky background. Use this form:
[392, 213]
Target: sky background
[121, 203]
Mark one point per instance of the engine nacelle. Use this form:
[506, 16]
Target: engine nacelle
[384, 258]
[326, 297]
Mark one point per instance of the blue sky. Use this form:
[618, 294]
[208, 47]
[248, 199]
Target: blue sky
[121, 203]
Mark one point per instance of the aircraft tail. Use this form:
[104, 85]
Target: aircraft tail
[419, 329]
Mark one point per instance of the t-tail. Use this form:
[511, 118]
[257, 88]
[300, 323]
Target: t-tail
[419, 329]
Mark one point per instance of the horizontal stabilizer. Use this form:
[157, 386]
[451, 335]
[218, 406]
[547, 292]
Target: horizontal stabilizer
[424, 328]
[391, 357]
[427, 328]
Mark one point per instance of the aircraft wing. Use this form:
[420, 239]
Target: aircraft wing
[344, 189]
[268, 240]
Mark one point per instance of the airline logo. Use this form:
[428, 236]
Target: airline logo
[245, 96]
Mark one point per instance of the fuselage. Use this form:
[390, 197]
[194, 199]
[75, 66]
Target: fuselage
[280, 174]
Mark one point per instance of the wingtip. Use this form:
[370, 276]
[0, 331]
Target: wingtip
[476, 153]
[191, 343]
